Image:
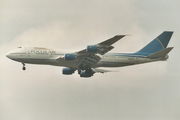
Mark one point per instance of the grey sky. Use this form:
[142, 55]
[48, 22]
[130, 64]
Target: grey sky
[148, 91]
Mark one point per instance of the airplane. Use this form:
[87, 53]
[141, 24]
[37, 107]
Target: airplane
[87, 61]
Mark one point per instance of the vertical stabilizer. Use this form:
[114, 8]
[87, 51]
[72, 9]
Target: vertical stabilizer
[158, 43]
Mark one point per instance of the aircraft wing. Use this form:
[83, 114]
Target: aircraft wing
[88, 59]
[91, 58]
[104, 46]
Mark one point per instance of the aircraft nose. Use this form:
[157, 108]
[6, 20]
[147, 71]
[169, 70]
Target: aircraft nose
[8, 55]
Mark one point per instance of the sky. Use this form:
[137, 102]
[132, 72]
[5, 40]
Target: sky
[141, 92]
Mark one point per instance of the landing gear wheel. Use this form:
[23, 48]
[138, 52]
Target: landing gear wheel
[79, 71]
[24, 68]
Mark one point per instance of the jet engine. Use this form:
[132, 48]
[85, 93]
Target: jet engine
[86, 74]
[70, 57]
[67, 71]
[92, 48]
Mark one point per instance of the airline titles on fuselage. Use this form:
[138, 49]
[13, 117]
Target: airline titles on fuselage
[43, 51]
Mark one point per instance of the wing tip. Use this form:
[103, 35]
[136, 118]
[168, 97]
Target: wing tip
[120, 35]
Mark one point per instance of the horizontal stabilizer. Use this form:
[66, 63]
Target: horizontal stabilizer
[161, 53]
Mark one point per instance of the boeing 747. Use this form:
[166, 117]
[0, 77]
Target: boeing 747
[87, 61]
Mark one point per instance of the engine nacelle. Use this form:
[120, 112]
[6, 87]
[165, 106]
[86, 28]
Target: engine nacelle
[86, 74]
[67, 71]
[92, 48]
[70, 57]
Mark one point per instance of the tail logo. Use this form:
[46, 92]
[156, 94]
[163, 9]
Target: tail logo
[161, 43]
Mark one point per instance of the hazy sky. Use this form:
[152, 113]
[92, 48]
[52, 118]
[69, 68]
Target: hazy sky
[142, 92]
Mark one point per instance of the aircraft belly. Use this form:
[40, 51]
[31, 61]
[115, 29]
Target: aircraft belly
[65, 63]
[110, 64]
[33, 61]
[114, 62]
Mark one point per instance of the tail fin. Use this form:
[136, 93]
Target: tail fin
[158, 44]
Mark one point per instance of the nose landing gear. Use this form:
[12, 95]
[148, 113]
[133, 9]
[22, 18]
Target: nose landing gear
[24, 68]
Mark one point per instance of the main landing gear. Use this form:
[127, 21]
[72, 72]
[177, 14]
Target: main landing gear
[79, 71]
[24, 68]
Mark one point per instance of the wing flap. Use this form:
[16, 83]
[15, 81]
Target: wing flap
[99, 70]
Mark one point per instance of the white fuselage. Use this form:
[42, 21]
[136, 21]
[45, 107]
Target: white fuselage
[36, 55]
